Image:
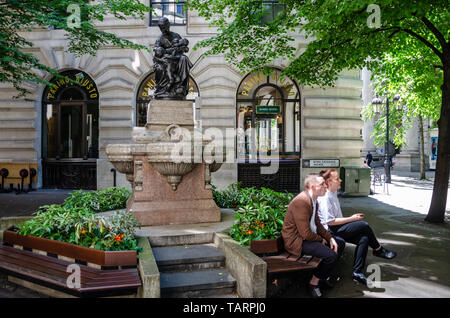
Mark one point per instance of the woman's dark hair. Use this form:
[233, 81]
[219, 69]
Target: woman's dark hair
[326, 174]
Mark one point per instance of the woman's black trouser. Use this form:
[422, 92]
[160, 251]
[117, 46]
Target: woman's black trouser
[360, 234]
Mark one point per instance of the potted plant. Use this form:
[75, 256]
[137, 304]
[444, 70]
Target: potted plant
[79, 233]
[259, 216]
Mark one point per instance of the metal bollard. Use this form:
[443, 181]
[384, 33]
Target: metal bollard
[33, 173]
[23, 174]
[3, 173]
[114, 171]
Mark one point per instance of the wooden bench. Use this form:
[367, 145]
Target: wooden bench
[278, 260]
[281, 264]
[51, 272]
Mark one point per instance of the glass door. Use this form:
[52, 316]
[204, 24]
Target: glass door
[72, 134]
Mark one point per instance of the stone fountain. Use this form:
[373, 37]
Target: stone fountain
[170, 180]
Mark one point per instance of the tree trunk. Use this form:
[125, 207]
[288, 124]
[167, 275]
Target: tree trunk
[422, 150]
[436, 213]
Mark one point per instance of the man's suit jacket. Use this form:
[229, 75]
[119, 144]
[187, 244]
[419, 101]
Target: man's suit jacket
[296, 227]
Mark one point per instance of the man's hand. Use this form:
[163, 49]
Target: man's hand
[333, 245]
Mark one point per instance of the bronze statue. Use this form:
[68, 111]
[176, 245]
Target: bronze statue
[171, 66]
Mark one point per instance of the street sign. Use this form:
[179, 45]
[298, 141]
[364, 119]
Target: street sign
[272, 109]
[321, 163]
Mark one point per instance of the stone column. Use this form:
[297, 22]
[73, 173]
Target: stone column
[409, 159]
[367, 95]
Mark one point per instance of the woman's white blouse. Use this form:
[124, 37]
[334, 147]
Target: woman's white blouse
[329, 208]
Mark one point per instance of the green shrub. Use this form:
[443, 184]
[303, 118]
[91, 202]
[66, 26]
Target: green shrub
[260, 213]
[98, 201]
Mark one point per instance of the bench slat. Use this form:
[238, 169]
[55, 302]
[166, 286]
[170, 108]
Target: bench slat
[61, 275]
[53, 271]
[59, 266]
[287, 263]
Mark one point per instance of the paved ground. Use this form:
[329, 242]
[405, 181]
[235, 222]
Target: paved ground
[421, 268]
[23, 204]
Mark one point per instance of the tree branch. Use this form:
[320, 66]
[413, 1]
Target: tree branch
[425, 41]
[435, 31]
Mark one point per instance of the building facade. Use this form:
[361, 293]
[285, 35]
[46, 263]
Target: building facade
[65, 128]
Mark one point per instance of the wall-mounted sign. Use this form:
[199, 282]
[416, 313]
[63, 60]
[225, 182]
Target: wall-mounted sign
[321, 163]
[266, 109]
[79, 78]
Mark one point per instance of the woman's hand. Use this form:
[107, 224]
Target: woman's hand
[357, 217]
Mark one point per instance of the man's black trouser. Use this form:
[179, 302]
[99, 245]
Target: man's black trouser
[360, 234]
[328, 256]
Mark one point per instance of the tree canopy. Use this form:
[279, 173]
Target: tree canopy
[419, 92]
[346, 35]
[76, 17]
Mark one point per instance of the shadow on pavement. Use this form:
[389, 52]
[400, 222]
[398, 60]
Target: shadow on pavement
[421, 268]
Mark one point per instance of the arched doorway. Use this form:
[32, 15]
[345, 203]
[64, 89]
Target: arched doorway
[145, 94]
[70, 132]
[268, 114]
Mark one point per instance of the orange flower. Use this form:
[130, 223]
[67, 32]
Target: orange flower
[118, 238]
[250, 232]
[83, 231]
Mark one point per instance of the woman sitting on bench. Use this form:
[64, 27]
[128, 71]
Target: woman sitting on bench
[352, 229]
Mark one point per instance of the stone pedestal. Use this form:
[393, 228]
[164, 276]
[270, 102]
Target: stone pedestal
[167, 190]
[158, 204]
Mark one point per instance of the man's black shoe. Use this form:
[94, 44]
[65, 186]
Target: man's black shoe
[314, 291]
[359, 277]
[384, 253]
[326, 283]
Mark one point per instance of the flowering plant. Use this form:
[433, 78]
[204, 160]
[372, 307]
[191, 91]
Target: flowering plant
[83, 227]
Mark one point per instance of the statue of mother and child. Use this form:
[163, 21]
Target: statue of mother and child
[171, 66]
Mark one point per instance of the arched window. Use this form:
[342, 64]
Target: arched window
[268, 110]
[145, 94]
[70, 133]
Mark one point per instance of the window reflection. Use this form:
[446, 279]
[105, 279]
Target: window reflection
[52, 130]
[271, 10]
[173, 10]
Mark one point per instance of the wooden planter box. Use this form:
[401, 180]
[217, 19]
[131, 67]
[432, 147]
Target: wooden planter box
[77, 252]
[269, 246]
